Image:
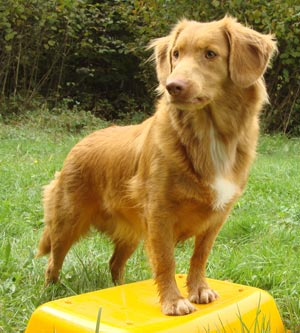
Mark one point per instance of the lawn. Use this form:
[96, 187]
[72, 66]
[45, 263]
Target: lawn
[258, 246]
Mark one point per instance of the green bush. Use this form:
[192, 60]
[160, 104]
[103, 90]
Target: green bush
[93, 52]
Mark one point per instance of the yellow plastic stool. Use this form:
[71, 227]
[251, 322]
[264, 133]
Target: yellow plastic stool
[135, 308]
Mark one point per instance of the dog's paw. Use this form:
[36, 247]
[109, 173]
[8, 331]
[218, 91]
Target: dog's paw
[178, 308]
[51, 275]
[204, 296]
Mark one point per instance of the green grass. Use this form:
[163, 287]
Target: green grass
[258, 246]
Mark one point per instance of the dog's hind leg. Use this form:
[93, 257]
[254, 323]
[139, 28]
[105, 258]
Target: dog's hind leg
[59, 249]
[123, 250]
[63, 235]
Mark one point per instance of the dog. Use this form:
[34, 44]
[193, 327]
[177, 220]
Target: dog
[177, 174]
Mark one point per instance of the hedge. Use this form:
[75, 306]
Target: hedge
[93, 53]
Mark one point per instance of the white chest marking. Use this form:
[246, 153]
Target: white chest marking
[225, 190]
[217, 153]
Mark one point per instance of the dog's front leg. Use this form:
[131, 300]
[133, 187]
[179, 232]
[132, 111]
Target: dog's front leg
[160, 246]
[198, 288]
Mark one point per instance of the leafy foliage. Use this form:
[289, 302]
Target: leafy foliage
[93, 52]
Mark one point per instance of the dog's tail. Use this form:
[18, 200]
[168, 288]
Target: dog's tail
[44, 244]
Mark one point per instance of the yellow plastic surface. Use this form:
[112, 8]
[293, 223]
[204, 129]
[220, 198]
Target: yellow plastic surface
[135, 308]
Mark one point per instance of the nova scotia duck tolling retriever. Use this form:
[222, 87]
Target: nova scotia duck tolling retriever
[177, 174]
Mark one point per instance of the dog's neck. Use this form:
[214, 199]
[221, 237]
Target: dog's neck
[206, 150]
[213, 136]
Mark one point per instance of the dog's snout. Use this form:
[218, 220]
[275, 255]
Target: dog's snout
[176, 87]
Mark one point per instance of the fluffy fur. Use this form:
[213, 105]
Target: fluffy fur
[177, 174]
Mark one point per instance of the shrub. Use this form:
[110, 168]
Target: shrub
[93, 52]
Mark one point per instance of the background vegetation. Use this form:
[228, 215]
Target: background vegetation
[258, 246]
[92, 53]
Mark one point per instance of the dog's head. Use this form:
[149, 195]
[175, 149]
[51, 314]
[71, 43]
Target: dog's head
[196, 60]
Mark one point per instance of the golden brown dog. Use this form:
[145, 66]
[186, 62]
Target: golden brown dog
[178, 173]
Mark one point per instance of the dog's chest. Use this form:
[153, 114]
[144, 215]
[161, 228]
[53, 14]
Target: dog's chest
[224, 192]
[223, 159]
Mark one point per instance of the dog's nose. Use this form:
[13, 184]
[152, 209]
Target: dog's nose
[176, 87]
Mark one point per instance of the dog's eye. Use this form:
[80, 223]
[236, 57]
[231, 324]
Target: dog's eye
[210, 54]
[176, 54]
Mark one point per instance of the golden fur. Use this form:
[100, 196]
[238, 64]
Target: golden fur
[178, 173]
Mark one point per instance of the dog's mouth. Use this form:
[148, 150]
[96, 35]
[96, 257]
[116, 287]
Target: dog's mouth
[200, 100]
[195, 102]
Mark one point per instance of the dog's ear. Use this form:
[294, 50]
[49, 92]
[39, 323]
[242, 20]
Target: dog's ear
[161, 58]
[250, 53]
[162, 53]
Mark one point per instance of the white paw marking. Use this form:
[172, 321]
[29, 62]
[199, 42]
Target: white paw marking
[204, 296]
[178, 308]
